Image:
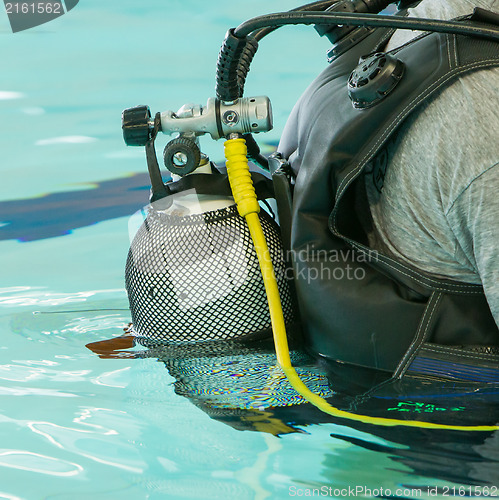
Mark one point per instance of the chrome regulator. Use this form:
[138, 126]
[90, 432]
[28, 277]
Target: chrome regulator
[182, 154]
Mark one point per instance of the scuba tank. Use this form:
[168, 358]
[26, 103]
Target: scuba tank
[192, 272]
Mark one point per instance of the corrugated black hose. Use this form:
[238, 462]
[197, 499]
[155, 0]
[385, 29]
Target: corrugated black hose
[233, 65]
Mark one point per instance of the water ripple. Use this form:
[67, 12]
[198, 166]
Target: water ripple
[112, 379]
[7, 496]
[6, 95]
[34, 462]
[34, 296]
[68, 139]
[21, 373]
[99, 443]
[34, 391]
[33, 111]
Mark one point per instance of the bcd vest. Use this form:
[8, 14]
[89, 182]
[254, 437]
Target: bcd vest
[357, 305]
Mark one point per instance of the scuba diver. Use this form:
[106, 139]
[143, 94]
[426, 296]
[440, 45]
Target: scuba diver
[381, 180]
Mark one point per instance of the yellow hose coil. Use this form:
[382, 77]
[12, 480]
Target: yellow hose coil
[240, 177]
[248, 207]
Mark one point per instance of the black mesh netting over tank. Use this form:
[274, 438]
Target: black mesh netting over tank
[196, 277]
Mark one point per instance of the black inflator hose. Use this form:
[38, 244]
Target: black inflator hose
[373, 20]
[254, 153]
[315, 6]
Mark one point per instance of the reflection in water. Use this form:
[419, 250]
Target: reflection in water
[93, 437]
[34, 391]
[8, 496]
[239, 384]
[469, 458]
[93, 443]
[234, 382]
[34, 462]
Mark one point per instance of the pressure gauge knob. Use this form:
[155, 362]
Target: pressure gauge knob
[182, 156]
[135, 123]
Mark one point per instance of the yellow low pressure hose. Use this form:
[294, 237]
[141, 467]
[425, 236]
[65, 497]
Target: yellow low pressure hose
[248, 207]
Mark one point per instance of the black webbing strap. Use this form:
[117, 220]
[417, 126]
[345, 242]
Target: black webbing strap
[218, 184]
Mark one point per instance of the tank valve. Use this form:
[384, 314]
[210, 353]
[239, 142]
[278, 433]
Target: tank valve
[219, 119]
[136, 125]
[182, 156]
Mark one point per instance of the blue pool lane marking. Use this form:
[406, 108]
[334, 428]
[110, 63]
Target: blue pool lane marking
[57, 214]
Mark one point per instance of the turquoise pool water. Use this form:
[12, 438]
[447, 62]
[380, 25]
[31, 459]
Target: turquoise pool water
[158, 424]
